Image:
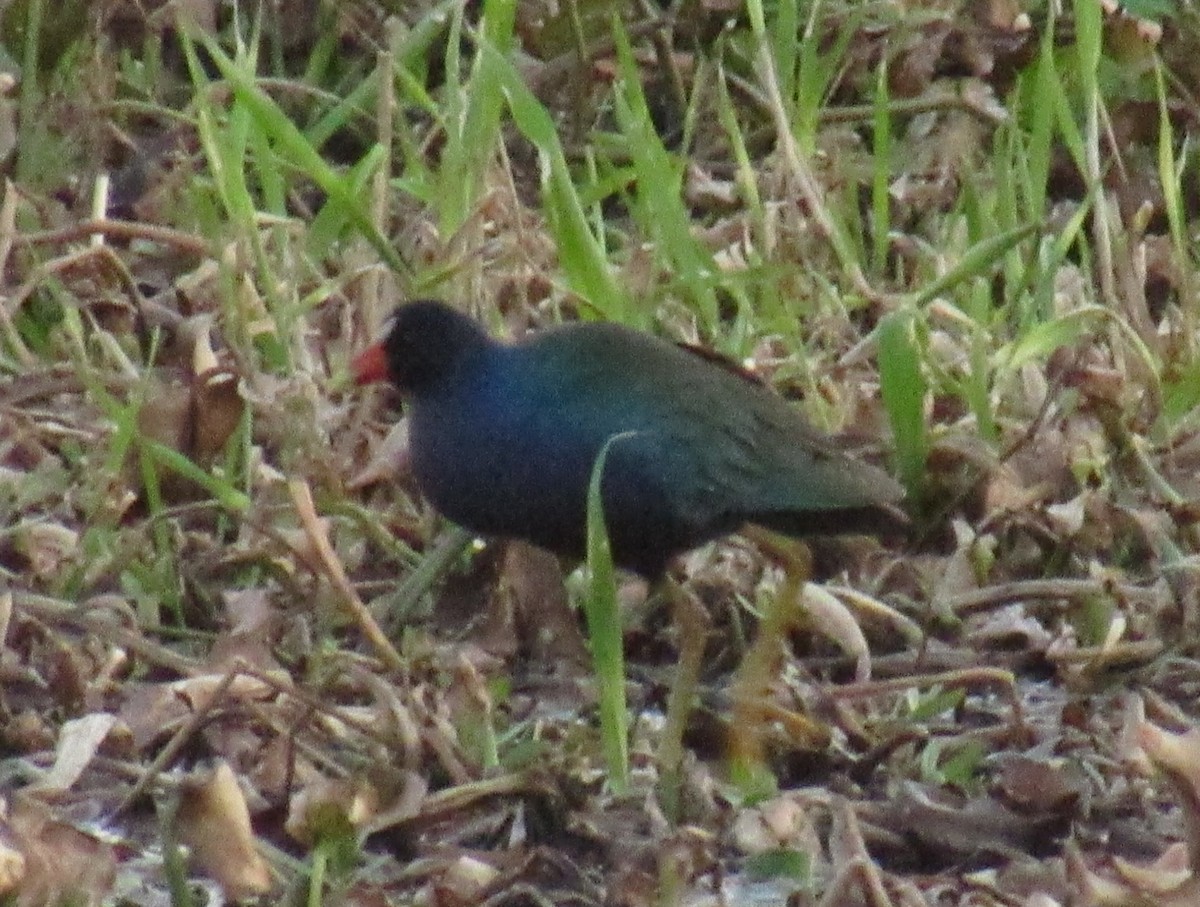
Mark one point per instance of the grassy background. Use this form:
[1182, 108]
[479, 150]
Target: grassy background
[961, 234]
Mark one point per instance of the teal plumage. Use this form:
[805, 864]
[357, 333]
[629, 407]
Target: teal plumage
[504, 438]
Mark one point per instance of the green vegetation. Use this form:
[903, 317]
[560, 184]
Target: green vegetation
[963, 237]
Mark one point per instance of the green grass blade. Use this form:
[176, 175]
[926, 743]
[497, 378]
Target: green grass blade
[902, 386]
[222, 490]
[580, 253]
[976, 262]
[604, 631]
[289, 141]
[657, 202]
[881, 176]
[977, 384]
[472, 122]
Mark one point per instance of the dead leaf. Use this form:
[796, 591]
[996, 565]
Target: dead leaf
[390, 459]
[78, 742]
[545, 625]
[152, 712]
[464, 882]
[214, 822]
[195, 417]
[1036, 786]
[61, 863]
[781, 822]
[217, 407]
[47, 546]
[12, 861]
[328, 806]
[831, 618]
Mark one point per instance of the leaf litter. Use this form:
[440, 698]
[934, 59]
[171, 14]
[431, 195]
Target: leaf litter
[202, 521]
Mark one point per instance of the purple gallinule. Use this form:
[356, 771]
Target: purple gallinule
[504, 437]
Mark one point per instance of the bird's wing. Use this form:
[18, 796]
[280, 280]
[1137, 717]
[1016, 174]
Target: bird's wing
[726, 443]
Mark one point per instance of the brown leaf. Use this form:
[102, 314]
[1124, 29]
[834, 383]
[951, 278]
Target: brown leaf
[781, 822]
[999, 14]
[214, 822]
[198, 691]
[1163, 877]
[216, 411]
[913, 68]
[546, 626]
[1039, 785]
[195, 417]
[78, 743]
[464, 882]
[152, 712]
[250, 641]
[164, 415]
[390, 460]
[61, 863]
[957, 829]
[12, 861]
[328, 806]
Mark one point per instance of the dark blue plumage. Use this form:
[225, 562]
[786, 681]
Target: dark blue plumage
[504, 437]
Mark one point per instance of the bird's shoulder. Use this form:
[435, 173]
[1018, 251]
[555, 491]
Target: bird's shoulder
[613, 358]
[690, 394]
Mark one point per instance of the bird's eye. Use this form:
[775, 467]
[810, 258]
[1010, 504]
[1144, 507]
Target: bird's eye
[389, 323]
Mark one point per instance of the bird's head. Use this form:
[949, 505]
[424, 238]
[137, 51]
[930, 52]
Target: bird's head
[423, 343]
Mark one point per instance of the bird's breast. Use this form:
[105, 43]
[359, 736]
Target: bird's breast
[500, 470]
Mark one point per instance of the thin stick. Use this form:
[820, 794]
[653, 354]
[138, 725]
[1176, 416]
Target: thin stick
[332, 568]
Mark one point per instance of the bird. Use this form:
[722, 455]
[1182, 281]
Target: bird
[504, 436]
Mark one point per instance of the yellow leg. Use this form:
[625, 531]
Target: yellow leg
[752, 706]
[692, 624]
